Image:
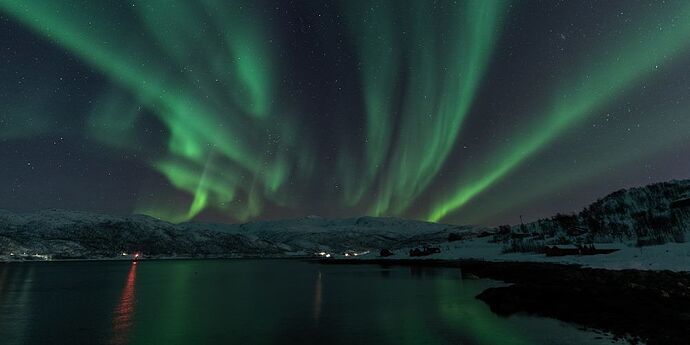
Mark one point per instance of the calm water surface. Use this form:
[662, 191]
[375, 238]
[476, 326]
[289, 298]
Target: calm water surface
[256, 302]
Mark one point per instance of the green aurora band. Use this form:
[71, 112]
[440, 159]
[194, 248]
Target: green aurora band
[209, 155]
[212, 160]
[562, 177]
[602, 80]
[437, 96]
[236, 142]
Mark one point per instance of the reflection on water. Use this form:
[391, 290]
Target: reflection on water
[15, 303]
[256, 302]
[124, 312]
[318, 291]
[473, 318]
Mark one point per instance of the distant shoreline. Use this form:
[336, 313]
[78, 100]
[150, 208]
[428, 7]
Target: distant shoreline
[165, 258]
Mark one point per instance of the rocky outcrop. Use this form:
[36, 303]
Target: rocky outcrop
[647, 305]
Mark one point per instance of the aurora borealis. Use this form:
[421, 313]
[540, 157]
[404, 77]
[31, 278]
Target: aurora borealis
[452, 111]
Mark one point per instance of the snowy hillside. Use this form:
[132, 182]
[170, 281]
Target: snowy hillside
[322, 234]
[650, 215]
[67, 234]
[645, 216]
[645, 228]
[669, 256]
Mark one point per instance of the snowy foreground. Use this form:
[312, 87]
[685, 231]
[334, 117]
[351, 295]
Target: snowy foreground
[669, 256]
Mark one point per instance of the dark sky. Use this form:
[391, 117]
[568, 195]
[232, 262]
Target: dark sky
[453, 111]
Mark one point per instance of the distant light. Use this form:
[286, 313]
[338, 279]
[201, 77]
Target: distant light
[346, 254]
[328, 255]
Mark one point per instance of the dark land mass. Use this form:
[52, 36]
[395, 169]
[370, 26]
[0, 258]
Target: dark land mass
[648, 306]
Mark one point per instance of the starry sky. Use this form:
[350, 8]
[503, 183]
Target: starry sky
[470, 112]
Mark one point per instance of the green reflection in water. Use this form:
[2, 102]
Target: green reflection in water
[472, 315]
[15, 304]
[256, 302]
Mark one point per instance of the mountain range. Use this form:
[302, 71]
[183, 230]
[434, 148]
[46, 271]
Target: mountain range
[653, 214]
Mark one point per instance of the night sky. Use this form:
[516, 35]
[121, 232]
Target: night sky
[453, 111]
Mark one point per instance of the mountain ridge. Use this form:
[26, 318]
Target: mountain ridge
[644, 214]
[78, 234]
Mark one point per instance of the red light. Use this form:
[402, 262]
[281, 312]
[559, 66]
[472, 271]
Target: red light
[123, 315]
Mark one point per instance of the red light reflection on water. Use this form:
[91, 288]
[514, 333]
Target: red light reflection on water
[124, 312]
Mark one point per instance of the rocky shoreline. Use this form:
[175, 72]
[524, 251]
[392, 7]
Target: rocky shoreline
[648, 306]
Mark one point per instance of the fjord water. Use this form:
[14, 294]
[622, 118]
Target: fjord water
[256, 302]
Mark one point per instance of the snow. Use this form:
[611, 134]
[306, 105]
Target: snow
[669, 256]
[86, 234]
[314, 234]
[316, 224]
[59, 231]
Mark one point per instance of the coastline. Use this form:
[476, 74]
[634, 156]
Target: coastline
[646, 306]
[166, 258]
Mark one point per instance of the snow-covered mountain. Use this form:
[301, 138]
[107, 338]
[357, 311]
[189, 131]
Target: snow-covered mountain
[69, 234]
[322, 234]
[654, 214]
[657, 213]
